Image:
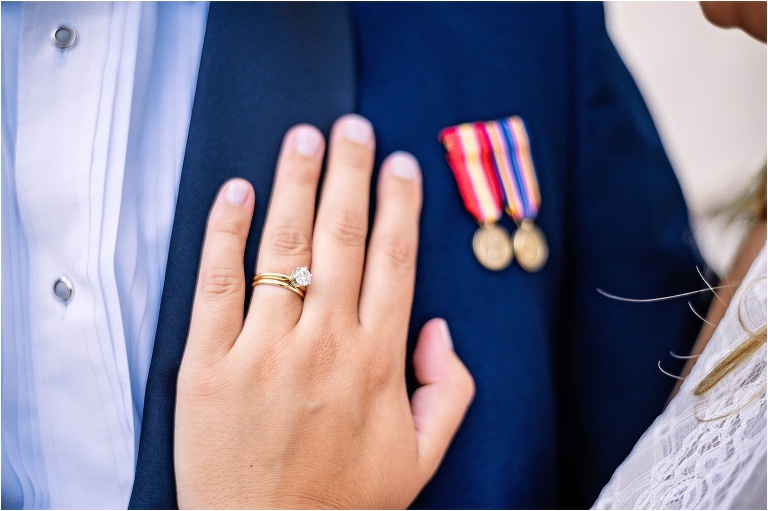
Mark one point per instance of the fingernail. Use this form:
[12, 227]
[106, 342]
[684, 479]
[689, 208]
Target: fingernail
[308, 142]
[404, 165]
[237, 193]
[446, 333]
[358, 129]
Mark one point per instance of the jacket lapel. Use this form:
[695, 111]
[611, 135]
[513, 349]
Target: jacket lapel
[264, 67]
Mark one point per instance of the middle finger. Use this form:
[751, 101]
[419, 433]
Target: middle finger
[338, 250]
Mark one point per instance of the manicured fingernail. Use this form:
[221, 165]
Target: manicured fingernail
[308, 142]
[446, 333]
[237, 193]
[358, 129]
[404, 166]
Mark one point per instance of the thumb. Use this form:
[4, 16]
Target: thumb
[439, 405]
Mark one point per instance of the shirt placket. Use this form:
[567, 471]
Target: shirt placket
[62, 177]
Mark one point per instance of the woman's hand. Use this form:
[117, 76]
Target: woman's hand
[304, 403]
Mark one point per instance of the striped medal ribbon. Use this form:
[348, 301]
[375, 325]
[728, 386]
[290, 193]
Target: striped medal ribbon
[513, 166]
[469, 154]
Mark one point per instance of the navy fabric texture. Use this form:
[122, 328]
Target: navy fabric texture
[566, 379]
[246, 99]
[626, 233]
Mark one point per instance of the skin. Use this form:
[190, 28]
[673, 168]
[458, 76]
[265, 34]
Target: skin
[751, 18]
[753, 243]
[304, 403]
[748, 16]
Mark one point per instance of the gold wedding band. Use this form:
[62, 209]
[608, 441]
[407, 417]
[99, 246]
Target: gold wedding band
[297, 281]
[280, 283]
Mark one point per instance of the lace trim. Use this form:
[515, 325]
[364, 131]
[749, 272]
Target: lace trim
[706, 452]
[704, 460]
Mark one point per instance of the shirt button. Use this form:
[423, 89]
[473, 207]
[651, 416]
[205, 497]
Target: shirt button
[63, 289]
[63, 36]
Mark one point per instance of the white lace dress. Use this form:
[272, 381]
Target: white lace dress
[706, 452]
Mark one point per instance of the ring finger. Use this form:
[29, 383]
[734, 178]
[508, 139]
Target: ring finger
[286, 242]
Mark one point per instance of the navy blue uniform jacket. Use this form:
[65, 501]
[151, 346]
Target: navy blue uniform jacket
[566, 379]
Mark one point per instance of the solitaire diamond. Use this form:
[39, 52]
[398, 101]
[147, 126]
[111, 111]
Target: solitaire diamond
[300, 277]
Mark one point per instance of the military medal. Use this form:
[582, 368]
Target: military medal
[531, 246]
[492, 247]
[469, 156]
[519, 189]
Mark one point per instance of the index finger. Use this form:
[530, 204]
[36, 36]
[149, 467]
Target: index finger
[217, 314]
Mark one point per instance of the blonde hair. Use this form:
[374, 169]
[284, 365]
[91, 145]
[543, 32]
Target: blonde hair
[738, 356]
[752, 205]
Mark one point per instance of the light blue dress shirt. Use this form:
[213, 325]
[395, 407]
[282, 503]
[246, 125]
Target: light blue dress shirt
[93, 137]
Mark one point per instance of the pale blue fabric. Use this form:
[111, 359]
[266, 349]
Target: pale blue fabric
[170, 37]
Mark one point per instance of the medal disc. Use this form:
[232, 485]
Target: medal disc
[530, 247]
[492, 247]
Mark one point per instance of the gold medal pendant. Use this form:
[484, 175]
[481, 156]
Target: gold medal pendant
[493, 247]
[530, 247]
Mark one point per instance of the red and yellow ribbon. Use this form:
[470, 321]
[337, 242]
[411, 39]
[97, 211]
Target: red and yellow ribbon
[493, 167]
[469, 154]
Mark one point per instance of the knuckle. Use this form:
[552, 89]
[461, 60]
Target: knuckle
[320, 360]
[400, 253]
[349, 228]
[221, 281]
[266, 364]
[355, 155]
[228, 224]
[325, 354]
[303, 171]
[290, 241]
